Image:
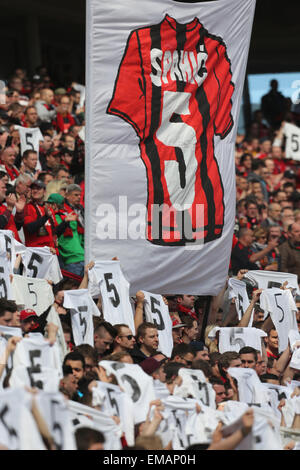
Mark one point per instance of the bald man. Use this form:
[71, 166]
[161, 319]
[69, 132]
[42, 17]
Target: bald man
[44, 106]
[290, 251]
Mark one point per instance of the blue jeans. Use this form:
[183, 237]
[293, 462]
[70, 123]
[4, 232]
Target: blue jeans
[74, 268]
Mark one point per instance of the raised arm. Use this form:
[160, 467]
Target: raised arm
[244, 321]
[139, 309]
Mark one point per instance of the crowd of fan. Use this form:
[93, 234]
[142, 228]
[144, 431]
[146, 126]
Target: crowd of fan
[45, 207]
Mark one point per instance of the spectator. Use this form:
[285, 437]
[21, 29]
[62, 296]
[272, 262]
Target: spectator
[273, 105]
[248, 356]
[22, 186]
[31, 118]
[183, 353]
[40, 226]
[8, 157]
[64, 120]
[274, 215]
[289, 251]
[89, 439]
[45, 109]
[8, 221]
[186, 304]
[72, 204]
[70, 241]
[242, 256]
[104, 335]
[29, 162]
[147, 342]
[125, 340]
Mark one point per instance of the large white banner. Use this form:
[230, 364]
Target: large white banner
[164, 88]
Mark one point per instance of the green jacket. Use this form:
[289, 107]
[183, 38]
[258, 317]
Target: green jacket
[70, 243]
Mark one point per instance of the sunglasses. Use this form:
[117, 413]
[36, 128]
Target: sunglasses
[126, 336]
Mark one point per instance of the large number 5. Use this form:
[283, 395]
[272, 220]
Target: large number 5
[280, 308]
[180, 174]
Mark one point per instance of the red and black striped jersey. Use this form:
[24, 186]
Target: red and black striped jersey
[174, 87]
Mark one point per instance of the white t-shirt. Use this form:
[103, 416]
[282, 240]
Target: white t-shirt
[82, 309]
[18, 430]
[238, 291]
[40, 263]
[268, 279]
[157, 312]
[86, 416]
[114, 288]
[32, 293]
[114, 402]
[54, 409]
[235, 338]
[5, 271]
[251, 390]
[281, 306]
[7, 244]
[136, 383]
[35, 352]
[292, 143]
[30, 139]
[195, 385]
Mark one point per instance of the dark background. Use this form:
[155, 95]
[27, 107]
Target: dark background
[53, 33]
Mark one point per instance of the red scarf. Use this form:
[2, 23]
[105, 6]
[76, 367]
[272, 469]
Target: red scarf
[187, 311]
[13, 173]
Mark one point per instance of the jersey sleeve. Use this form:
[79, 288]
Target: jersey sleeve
[224, 119]
[128, 100]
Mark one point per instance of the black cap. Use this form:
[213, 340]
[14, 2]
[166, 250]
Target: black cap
[38, 184]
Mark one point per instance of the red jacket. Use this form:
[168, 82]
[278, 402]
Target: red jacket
[43, 236]
[11, 224]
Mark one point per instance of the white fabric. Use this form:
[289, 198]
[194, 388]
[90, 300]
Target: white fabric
[263, 436]
[114, 287]
[114, 402]
[160, 389]
[292, 143]
[175, 415]
[85, 416]
[282, 309]
[43, 378]
[82, 309]
[136, 383]
[195, 385]
[5, 271]
[32, 293]
[35, 352]
[30, 139]
[40, 263]
[265, 279]
[290, 409]
[18, 430]
[115, 168]
[235, 338]
[54, 409]
[8, 244]
[250, 388]
[200, 426]
[238, 291]
[156, 311]
[294, 341]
